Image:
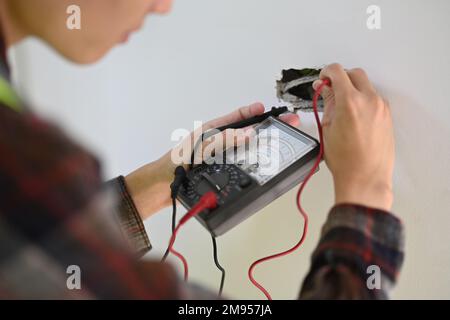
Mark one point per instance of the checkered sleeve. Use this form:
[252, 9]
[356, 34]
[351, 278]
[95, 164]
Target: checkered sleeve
[359, 255]
[129, 219]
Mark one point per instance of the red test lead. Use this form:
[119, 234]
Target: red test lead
[324, 83]
[207, 201]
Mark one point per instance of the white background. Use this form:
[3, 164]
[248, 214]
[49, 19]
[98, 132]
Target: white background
[209, 57]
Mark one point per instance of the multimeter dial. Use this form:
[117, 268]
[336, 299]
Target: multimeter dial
[223, 179]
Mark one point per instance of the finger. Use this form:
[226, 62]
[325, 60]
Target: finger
[238, 115]
[328, 114]
[249, 111]
[340, 81]
[291, 119]
[237, 137]
[235, 116]
[360, 80]
[326, 93]
[162, 7]
[227, 139]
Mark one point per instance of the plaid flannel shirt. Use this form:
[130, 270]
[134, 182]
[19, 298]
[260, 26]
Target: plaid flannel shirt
[55, 212]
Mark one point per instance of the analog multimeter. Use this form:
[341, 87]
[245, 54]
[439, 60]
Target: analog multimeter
[250, 178]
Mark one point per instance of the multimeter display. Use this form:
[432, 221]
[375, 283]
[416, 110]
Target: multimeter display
[251, 177]
[277, 147]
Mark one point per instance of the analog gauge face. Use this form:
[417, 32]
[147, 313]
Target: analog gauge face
[277, 147]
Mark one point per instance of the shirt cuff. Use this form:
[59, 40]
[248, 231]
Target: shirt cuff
[130, 221]
[360, 237]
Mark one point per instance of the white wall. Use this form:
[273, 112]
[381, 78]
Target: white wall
[209, 57]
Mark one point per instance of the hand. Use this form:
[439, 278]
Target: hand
[358, 138]
[149, 186]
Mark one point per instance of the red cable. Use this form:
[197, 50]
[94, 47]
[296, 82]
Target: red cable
[299, 193]
[207, 201]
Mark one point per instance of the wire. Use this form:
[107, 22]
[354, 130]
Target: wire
[216, 261]
[181, 257]
[179, 177]
[298, 199]
[174, 214]
[174, 219]
[207, 201]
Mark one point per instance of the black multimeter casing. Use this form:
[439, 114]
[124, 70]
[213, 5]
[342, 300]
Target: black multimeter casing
[241, 202]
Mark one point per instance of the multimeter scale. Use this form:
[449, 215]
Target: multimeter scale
[250, 178]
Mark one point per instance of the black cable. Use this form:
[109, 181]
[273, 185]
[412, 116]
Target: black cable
[174, 221]
[179, 176]
[216, 261]
[174, 214]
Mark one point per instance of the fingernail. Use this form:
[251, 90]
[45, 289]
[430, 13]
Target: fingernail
[316, 84]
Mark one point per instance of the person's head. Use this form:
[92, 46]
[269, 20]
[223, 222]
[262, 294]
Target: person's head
[104, 23]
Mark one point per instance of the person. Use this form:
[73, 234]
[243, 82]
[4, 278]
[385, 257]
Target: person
[56, 212]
